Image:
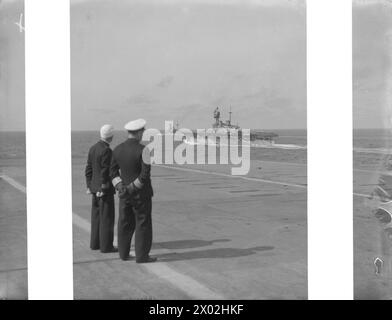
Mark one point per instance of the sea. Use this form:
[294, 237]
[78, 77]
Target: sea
[290, 146]
[372, 148]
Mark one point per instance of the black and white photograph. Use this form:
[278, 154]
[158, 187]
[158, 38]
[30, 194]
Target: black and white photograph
[189, 149]
[372, 122]
[195, 156]
[13, 232]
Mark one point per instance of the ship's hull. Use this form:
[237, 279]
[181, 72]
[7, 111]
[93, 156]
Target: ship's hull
[262, 137]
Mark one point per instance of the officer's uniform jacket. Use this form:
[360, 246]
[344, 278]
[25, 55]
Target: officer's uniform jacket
[97, 170]
[127, 166]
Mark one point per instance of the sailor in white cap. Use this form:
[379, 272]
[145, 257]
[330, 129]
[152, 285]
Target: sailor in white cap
[131, 177]
[99, 185]
[135, 126]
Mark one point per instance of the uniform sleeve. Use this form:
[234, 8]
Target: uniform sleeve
[114, 171]
[89, 170]
[145, 172]
[105, 168]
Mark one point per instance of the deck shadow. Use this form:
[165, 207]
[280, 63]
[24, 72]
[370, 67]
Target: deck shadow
[186, 244]
[93, 260]
[218, 253]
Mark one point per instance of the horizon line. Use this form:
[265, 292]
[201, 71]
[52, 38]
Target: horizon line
[93, 130]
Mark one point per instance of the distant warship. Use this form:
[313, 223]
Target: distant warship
[263, 136]
[256, 136]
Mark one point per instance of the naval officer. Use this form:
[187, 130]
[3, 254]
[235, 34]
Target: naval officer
[130, 174]
[100, 187]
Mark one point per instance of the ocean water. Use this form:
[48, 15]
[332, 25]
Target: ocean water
[290, 146]
[12, 145]
[13, 155]
[372, 149]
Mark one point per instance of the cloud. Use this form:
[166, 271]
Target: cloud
[10, 2]
[142, 99]
[191, 107]
[178, 67]
[165, 82]
[102, 110]
[263, 93]
[371, 2]
[371, 62]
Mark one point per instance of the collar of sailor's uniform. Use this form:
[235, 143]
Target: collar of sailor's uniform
[104, 141]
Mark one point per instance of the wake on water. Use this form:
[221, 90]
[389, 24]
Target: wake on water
[252, 145]
[373, 150]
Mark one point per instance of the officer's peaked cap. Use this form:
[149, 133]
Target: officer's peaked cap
[135, 125]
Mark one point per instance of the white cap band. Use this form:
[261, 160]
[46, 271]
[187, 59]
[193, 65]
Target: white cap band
[135, 125]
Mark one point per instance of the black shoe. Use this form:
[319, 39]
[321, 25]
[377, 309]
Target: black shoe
[127, 258]
[147, 260]
[114, 249]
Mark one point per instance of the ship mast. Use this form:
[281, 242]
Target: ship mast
[230, 116]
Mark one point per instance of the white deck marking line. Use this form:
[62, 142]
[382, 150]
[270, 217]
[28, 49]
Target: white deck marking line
[235, 177]
[361, 195]
[371, 171]
[186, 284]
[305, 165]
[282, 162]
[13, 183]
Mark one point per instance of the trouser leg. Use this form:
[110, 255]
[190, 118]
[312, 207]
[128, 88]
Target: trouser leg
[143, 234]
[106, 226]
[94, 231]
[125, 228]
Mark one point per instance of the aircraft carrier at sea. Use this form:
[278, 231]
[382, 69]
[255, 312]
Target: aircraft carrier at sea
[216, 236]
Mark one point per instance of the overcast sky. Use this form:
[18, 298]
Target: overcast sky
[178, 62]
[372, 23]
[12, 88]
[171, 60]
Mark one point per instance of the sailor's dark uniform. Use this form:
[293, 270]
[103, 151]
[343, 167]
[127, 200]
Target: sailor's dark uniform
[102, 210]
[129, 168]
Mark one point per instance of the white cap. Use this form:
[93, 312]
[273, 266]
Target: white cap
[107, 131]
[135, 125]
